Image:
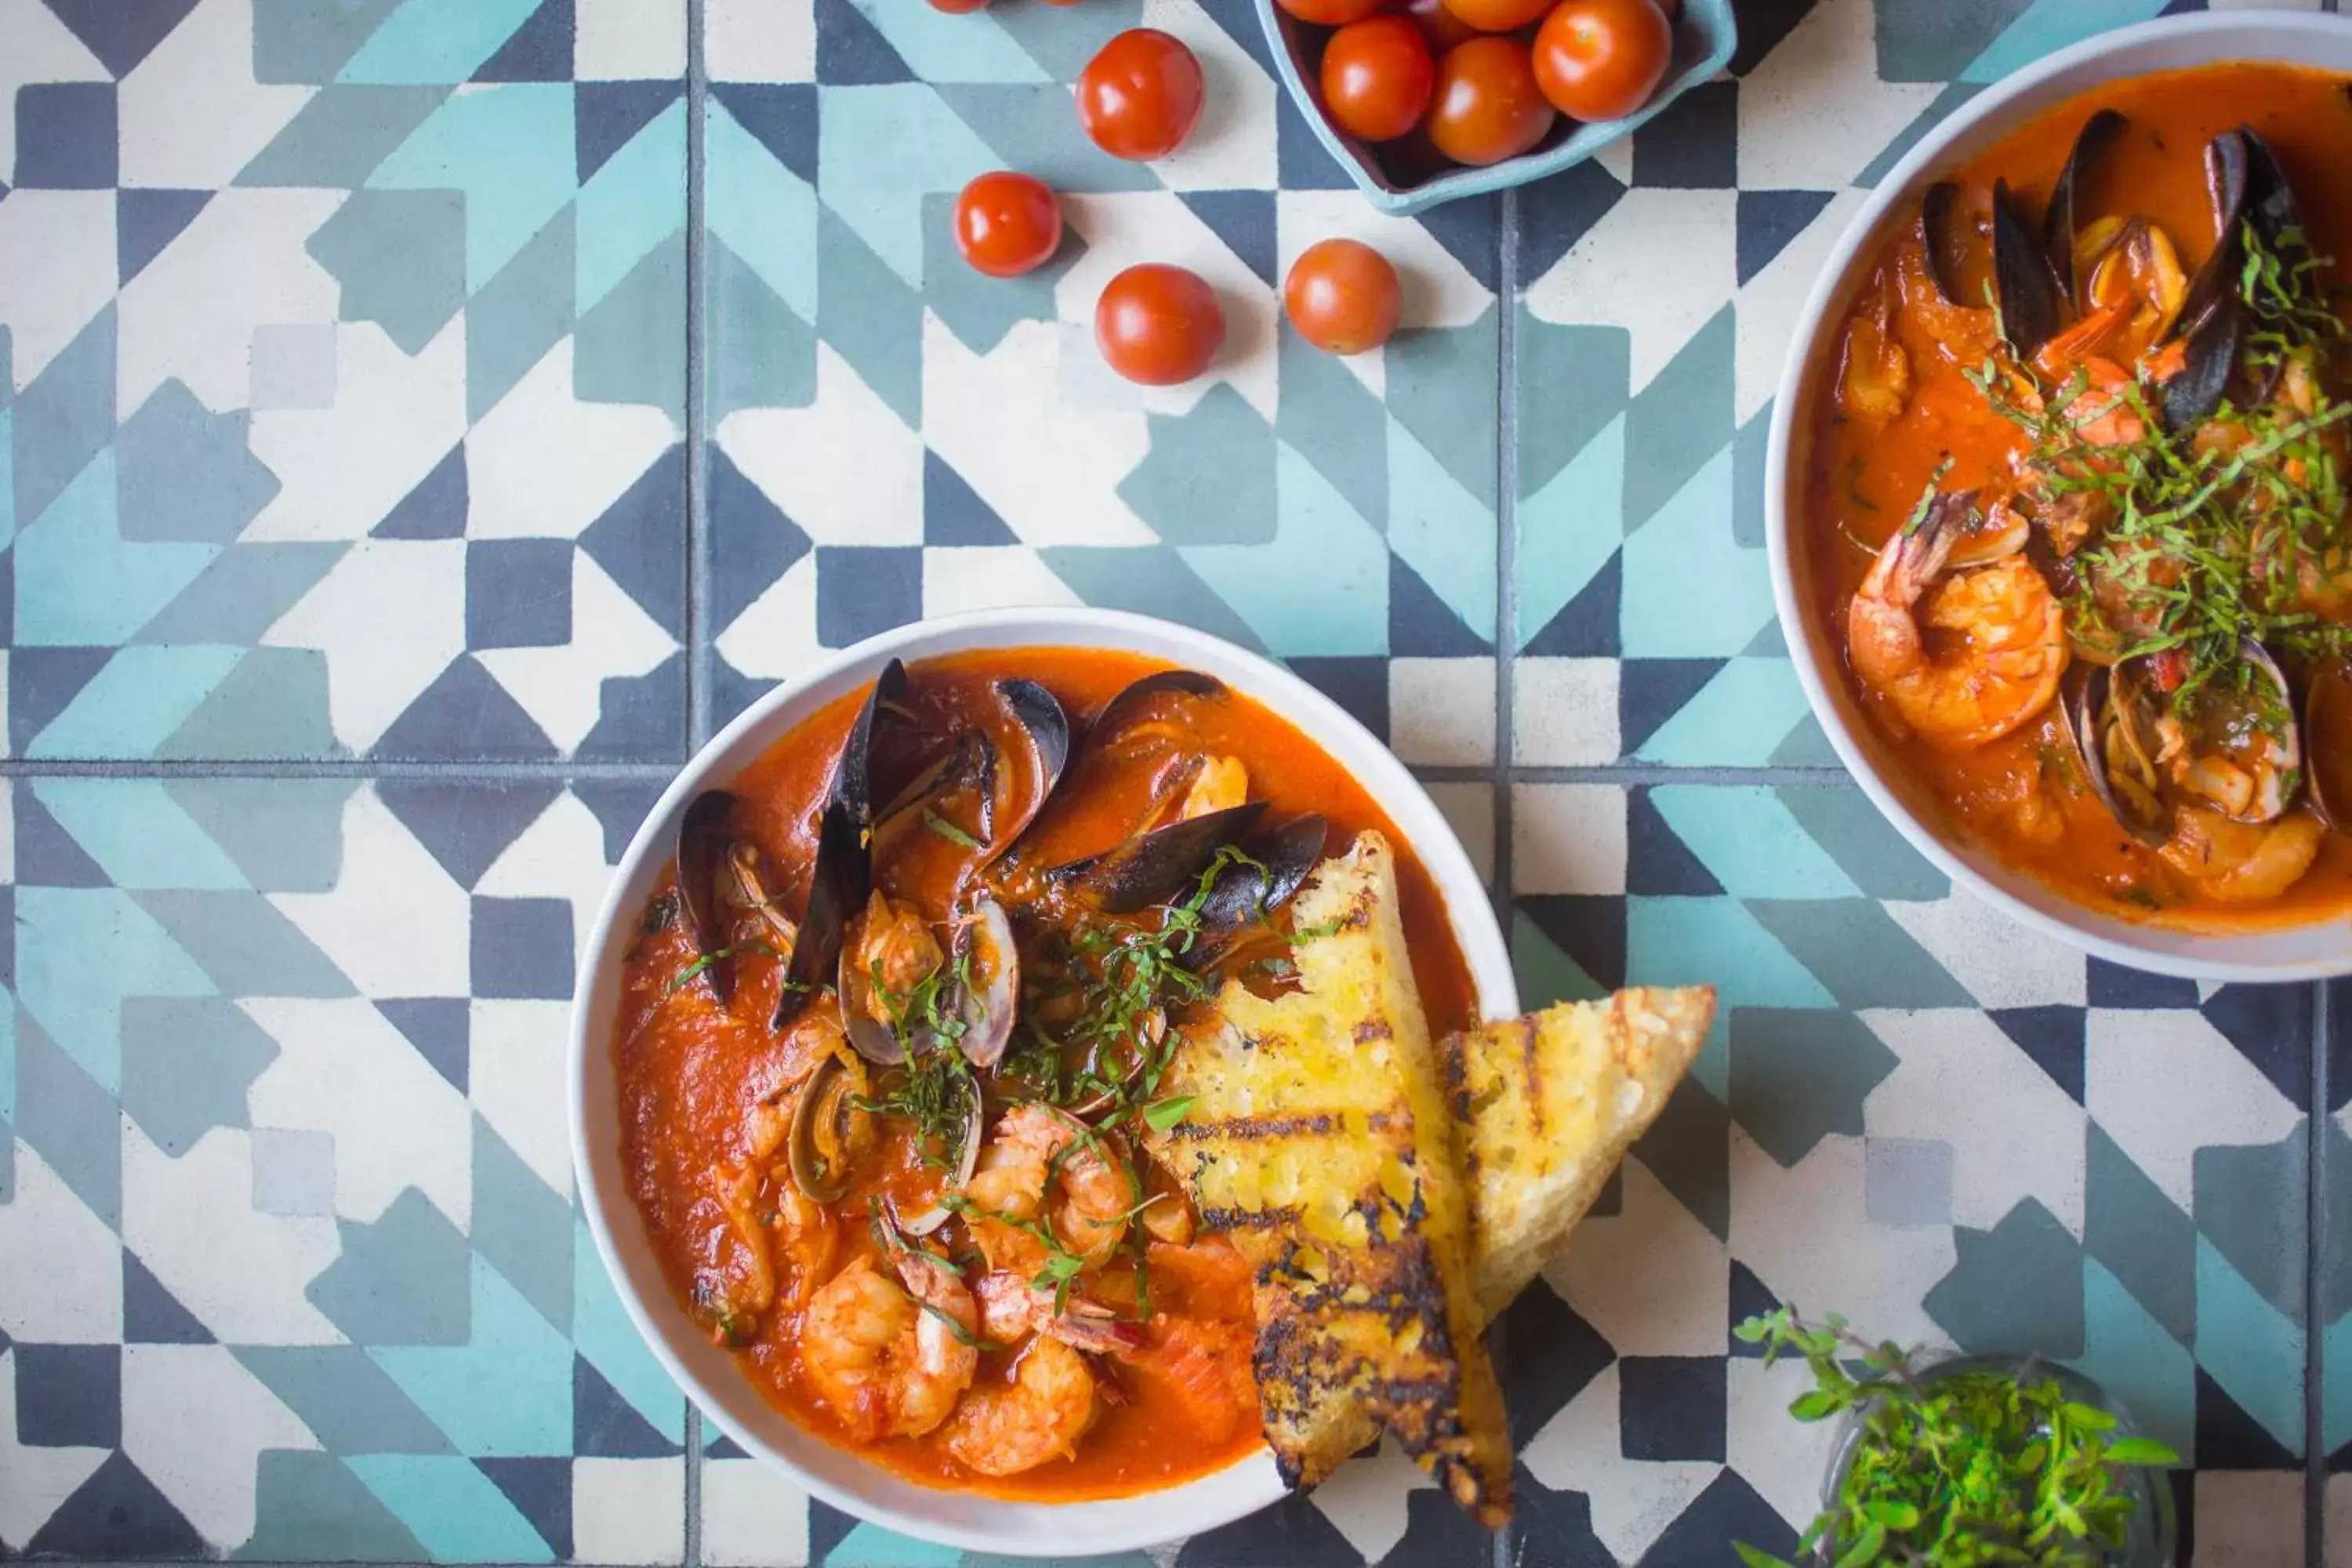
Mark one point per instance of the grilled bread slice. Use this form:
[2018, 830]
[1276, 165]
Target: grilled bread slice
[1321, 1139]
[1544, 1108]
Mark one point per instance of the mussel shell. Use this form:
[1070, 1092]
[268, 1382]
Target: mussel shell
[1247, 890]
[969, 762]
[703, 845]
[2082, 697]
[2193, 395]
[839, 879]
[1939, 211]
[1163, 866]
[2226, 172]
[1043, 718]
[1134, 698]
[854, 783]
[2058, 224]
[2031, 307]
[2328, 741]
[988, 996]
[823, 1105]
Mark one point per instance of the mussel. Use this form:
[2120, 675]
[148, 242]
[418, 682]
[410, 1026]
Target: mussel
[839, 878]
[977, 791]
[828, 1130]
[1249, 888]
[854, 783]
[1162, 866]
[1940, 217]
[2032, 306]
[2058, 222]
[704, 846]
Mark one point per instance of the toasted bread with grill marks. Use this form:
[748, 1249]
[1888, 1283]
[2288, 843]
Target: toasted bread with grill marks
[1546, 1106]
[1321, 1140]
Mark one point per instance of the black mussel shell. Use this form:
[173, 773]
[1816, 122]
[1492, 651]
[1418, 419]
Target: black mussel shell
[1279, 859]
[969, 763]
[1163, 866]
[703, 844]
[853, 774]
[2031, 308]
[2193, 394]
[1042, 718]
[1125, 708]
[2226, 174]
[2271, 207]
[1940, 213]
[839, 879]
[2098, 133]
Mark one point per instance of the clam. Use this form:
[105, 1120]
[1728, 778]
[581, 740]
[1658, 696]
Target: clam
[2327, 729]
[967, 1160]
[703, 847]
[2243, 746]
[888, 945]
[988, 980]
[828, 1128]
[2104, 714]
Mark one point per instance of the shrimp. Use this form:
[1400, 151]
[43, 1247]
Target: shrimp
[2238, 862]
[1038, 1418]
[1011, 1309]
[892, 1362]
[2102, 413]
[2011, 630]
[1096, 1195]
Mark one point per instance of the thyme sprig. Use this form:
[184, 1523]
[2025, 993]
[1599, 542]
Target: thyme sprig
[1966, 1468]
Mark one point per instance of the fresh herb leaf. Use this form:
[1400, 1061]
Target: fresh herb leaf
[949, 830]
[1161, 1115]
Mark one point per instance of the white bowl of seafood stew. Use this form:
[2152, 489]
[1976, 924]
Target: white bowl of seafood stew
[1178, 773]
[2054, 496]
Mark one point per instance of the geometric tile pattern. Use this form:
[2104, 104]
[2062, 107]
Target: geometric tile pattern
[376, 539]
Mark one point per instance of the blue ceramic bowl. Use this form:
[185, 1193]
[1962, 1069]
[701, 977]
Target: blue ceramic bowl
[1703, 40]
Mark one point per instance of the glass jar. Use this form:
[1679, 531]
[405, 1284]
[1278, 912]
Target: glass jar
[2154, 1535]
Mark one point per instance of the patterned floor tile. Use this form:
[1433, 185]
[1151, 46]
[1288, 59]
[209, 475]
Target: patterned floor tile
[291, 1264]
[894, 435]
[1908, 1116]
[342, 366]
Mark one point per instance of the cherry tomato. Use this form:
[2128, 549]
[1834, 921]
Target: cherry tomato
[1006, 224]
[1377, 77]
[1438, 24]
[1487, 106]
[959, 7]
[1499, 16]
[1333, 13]
[1159, 324]
[1601, 59]
[1343, 297]
[1141, 96]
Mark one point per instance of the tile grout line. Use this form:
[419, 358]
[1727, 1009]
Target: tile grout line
[357, 769]
[1506, 1542]
[698, 456]
[698, 566]
[2314, 1250]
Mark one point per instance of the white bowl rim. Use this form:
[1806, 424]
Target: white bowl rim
[2224, 956]
[1250, 1483]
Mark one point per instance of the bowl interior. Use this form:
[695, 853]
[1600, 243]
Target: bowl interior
[1407, 175]
[707, 1373]
[2283, 954]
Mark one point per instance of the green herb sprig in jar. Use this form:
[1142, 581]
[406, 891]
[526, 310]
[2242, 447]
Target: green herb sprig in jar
[1960, 1468]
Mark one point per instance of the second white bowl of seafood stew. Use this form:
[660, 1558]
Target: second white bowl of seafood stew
[1046, 1082]
[2058, 496]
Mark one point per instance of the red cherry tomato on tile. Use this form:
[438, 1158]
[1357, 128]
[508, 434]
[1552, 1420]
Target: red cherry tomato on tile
[1343, 297]
[1438, 24]
[1487, 107]
[1141, 96]
[1007, 224]
[1377, 77]
[1159, 324]
[1333, 13]
[1499, 16]
[1601, 59]
[959, 7]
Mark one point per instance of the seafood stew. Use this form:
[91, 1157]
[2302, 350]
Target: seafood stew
[890, 1039]
[2075, 514]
